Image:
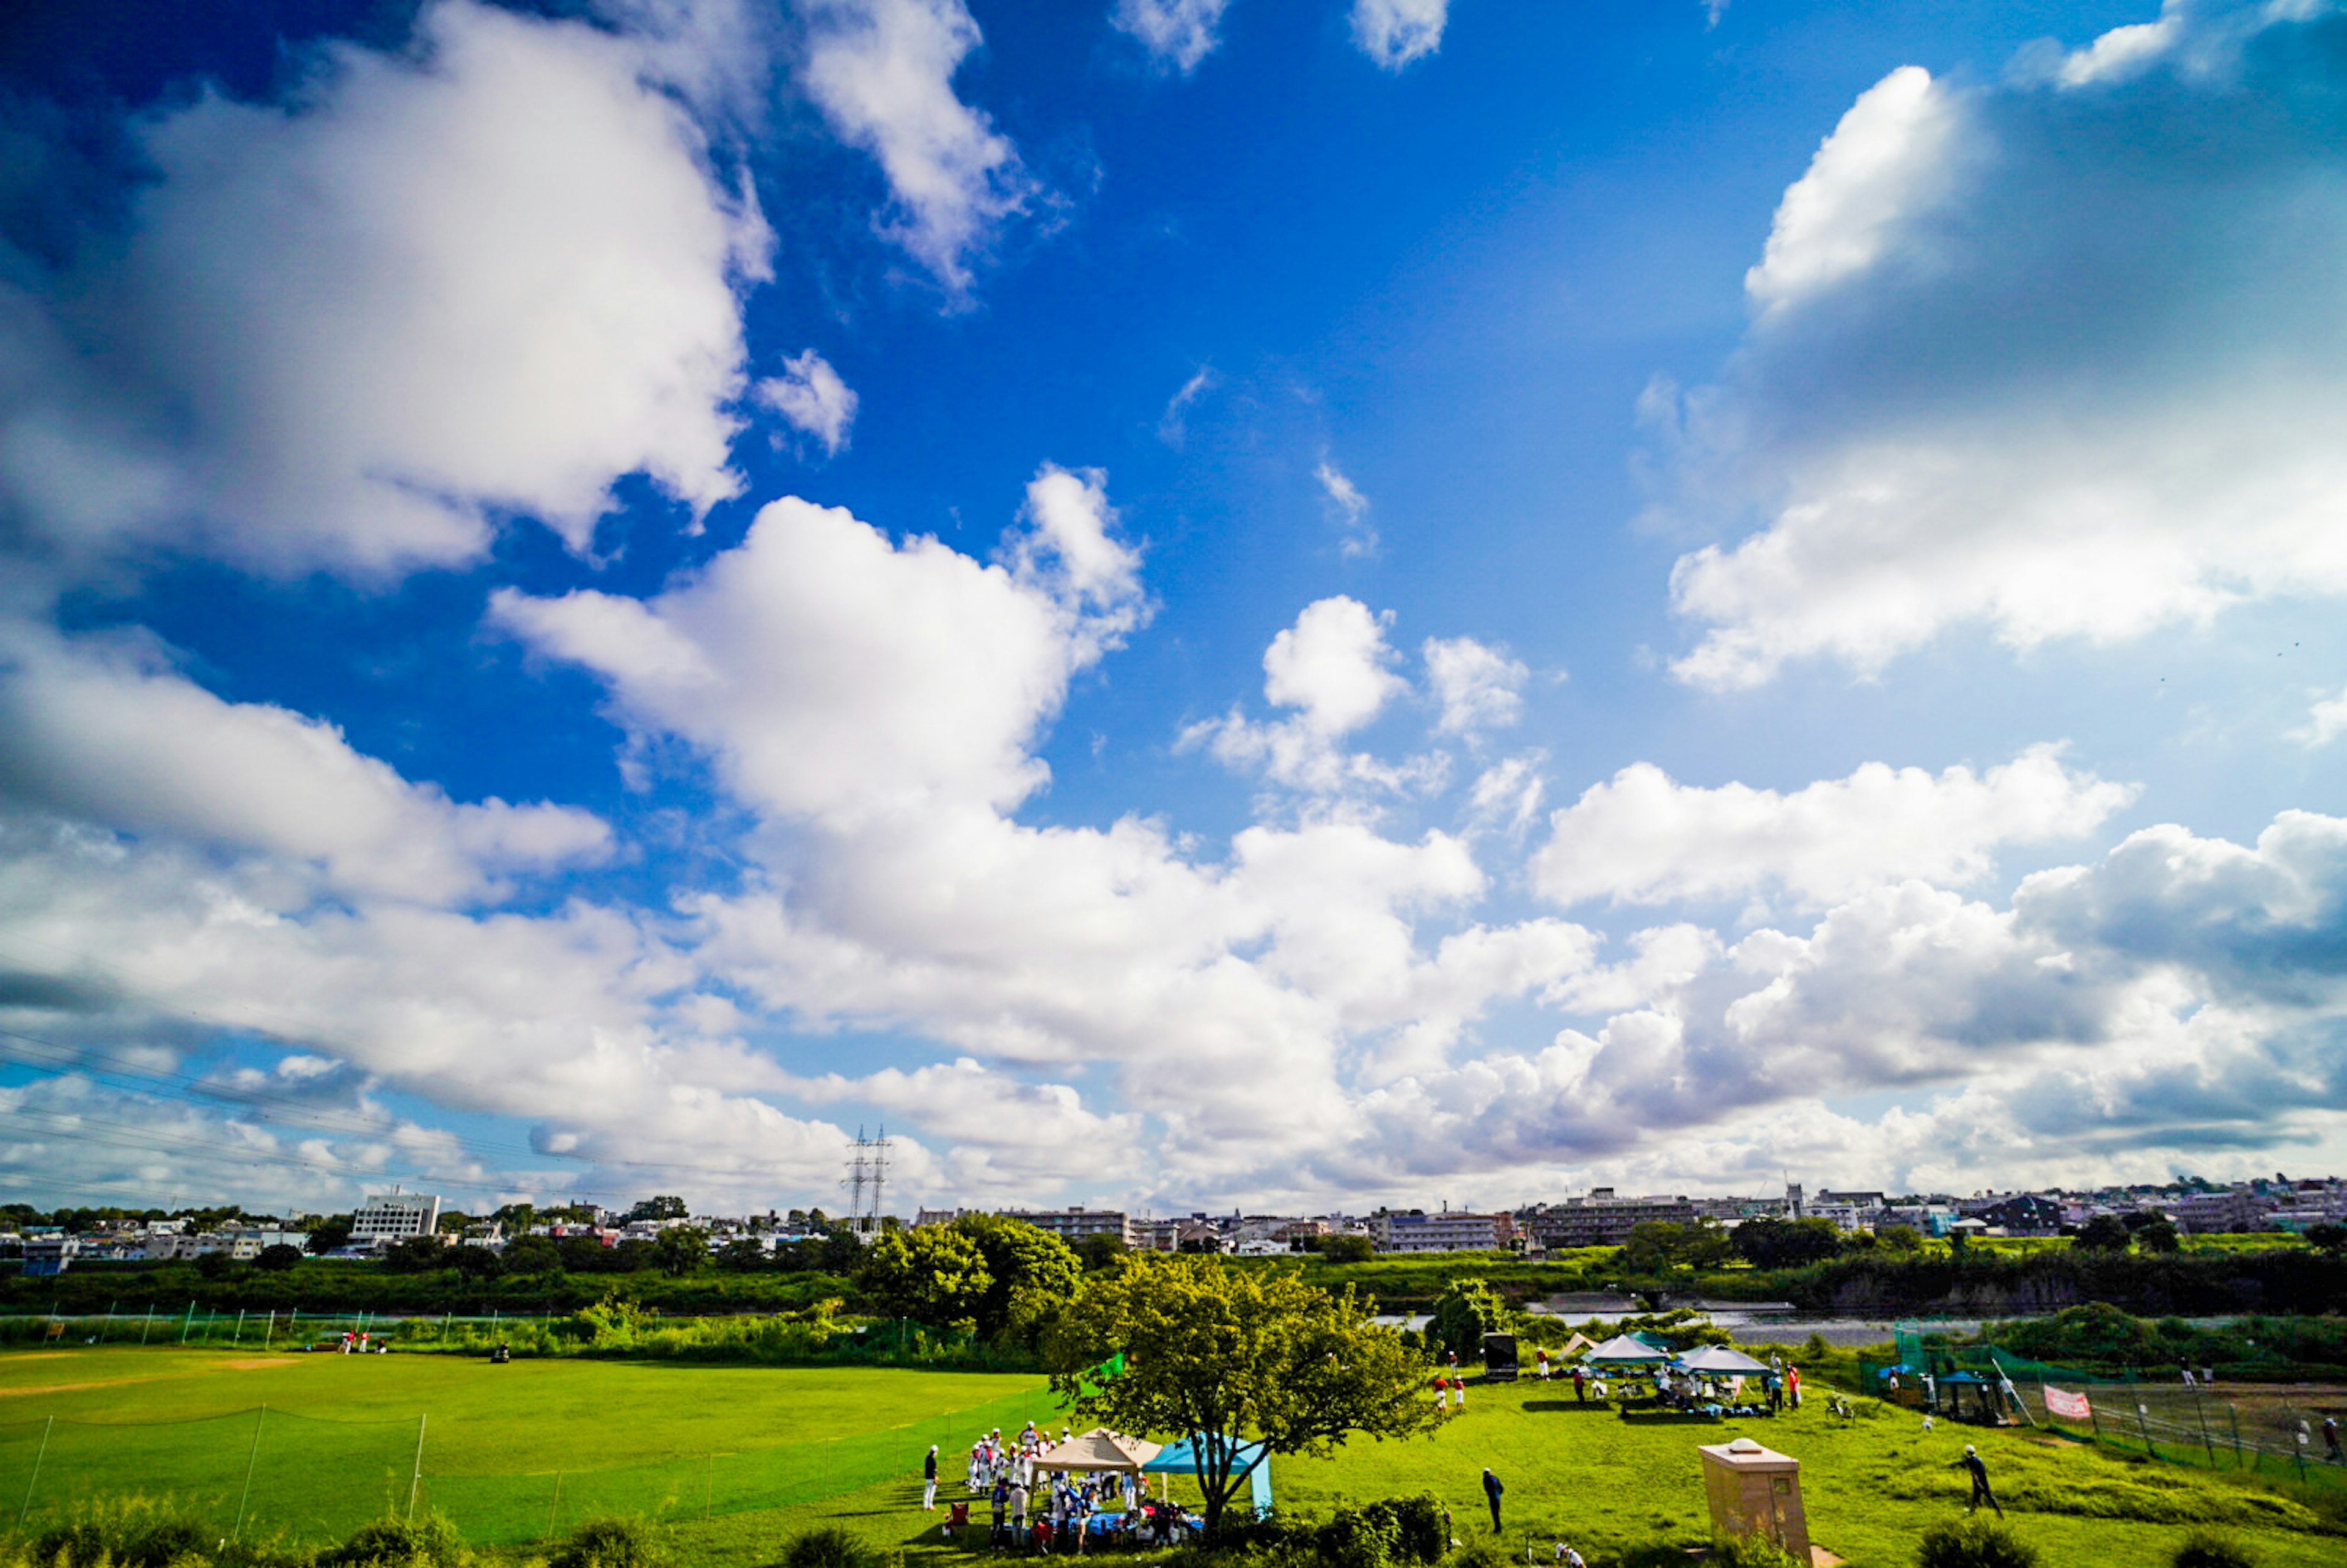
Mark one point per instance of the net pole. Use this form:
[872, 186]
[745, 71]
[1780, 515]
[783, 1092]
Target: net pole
[416, 1479]
[150, 1324]
[249, 1460]
[34, 1479]
[191, 1323]
[554, 1513]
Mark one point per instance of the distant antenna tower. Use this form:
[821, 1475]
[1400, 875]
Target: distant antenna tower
[867, 1180]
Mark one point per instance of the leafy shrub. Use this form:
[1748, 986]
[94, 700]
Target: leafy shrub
[1359, 1538]
[1653, 1554]
[430, 1541]
[130, 1533]
[607, 1543]
[829, 1546]
[2207, 1549]
[1974, 1542]
[1416, 1522]
[1753, 1551]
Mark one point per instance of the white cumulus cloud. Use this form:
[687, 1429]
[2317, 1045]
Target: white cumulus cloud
[349, 330]
[1479, 687]
[113, 738]
[2053, 354]
[1644, 837]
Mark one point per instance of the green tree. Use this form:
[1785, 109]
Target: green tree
[329, 1234]
[1100, 1250]
[1349, 1248]
[1030, 1274]
[1770, 1243]
[743, 1254]
[1466, 1311]
[477, 1262]
[1900, 1239]
[417, 1254]
[1221, 1355]
[934, 1275]
[533, 1254]
[1659, 1245]
[2329, 1237]
[680, 1250]
[663, 1208]
[2104, 1233]
[2160, 1236]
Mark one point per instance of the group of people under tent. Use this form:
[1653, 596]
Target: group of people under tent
[1039, 1511]
[1682, 1389]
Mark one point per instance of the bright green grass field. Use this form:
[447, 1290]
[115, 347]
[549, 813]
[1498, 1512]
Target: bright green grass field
[732, 1459]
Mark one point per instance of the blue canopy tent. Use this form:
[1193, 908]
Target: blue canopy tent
[1252, 1461]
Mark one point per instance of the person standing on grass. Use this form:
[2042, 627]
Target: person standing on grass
[1001, 1498]
[929, 1481]
[1971, 1463]
[1491, 1491]
[1793, 1387]
[2331, 1450]
[1581, 1384]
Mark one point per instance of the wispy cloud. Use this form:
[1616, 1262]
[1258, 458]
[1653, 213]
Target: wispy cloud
[810, 394]
[1352, 509]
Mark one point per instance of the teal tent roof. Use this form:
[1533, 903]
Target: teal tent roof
[1252, 1461]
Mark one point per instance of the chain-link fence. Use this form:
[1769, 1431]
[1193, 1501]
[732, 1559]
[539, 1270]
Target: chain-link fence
[262, 1474]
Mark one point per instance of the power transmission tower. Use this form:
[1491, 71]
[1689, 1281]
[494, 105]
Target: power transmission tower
[867, 1181]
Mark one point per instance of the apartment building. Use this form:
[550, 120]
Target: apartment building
[1604, 1219]
[1415, 1230]
[1074, 1223]
[395, 1216]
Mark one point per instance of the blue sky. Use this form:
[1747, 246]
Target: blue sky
[1189, 603]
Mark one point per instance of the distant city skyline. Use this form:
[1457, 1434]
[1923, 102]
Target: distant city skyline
[1187, 605]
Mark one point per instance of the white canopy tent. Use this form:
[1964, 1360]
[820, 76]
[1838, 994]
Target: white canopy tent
[1628, 1350]
[1100, 1450]
[1719, 1361]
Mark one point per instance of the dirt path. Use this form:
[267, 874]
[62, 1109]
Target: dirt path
[241, 1364]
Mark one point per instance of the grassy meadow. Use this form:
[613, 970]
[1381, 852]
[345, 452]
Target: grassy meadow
[732, 1460]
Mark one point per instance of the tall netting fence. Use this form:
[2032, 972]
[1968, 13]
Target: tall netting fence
[2271, 1430]
[278, 1330]
[265, 1475]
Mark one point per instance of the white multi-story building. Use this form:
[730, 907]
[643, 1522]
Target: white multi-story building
[395, 1216]
[2237, 1210]
[1415, 1230]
